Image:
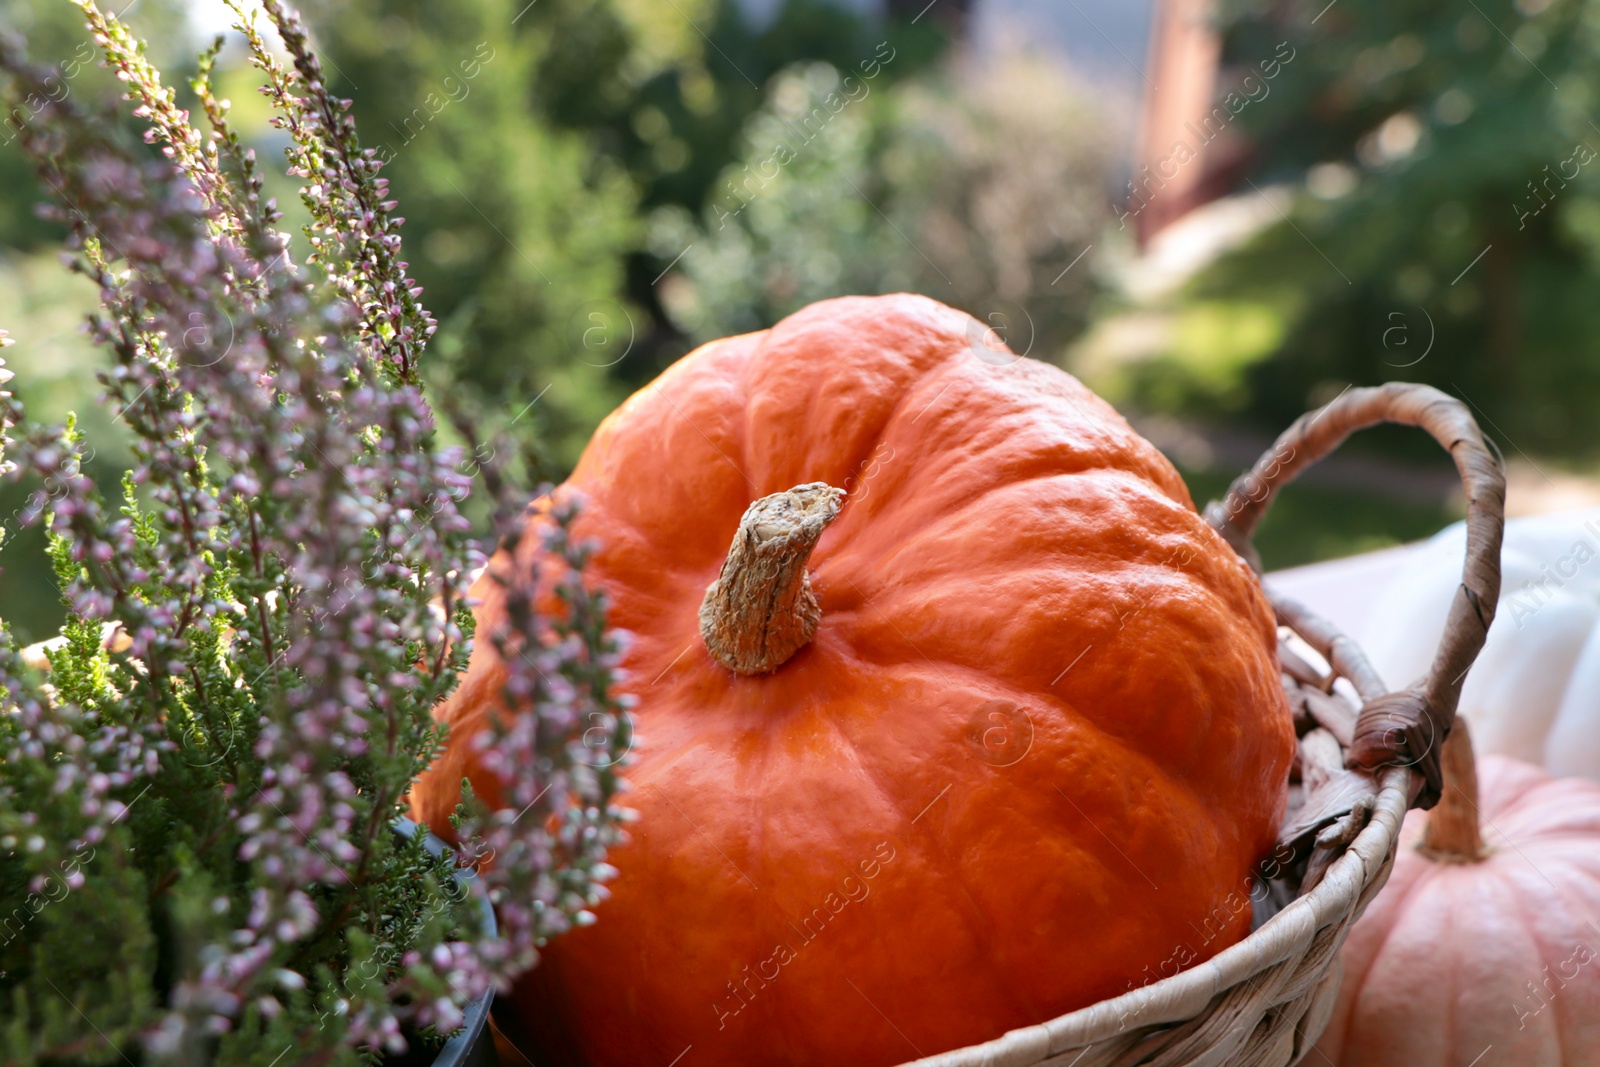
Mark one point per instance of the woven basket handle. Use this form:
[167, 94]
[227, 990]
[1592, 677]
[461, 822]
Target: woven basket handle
[1408, 727]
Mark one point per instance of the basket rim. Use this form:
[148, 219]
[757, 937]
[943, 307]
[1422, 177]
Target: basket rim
[1184, 995]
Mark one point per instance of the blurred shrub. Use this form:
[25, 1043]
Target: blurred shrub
[526, 182]
[793, 221]
[1004, 170]
[518, 228]
[980, 188]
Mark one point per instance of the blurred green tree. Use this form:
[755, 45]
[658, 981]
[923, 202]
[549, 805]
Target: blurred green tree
[1450, 206]
[526, 139]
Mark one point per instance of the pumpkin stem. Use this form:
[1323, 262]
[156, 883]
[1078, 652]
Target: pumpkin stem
[760, 610]
[1452, 834]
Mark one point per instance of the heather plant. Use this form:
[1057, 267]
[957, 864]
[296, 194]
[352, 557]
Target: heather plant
[200, 778]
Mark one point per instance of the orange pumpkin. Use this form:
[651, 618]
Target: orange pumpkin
[995, 735]
[1480, 950]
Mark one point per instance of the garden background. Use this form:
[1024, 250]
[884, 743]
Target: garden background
[592, 187]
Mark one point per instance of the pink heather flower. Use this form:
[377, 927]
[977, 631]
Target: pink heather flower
[277, 579]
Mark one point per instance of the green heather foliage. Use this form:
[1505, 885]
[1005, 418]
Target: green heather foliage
[200, 777]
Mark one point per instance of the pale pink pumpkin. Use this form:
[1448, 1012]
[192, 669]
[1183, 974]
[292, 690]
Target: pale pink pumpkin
[1480, 954]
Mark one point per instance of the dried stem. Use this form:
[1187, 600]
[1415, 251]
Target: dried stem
[1452, 834]
[760, 610]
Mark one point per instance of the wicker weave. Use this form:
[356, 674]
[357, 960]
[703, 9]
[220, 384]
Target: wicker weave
[1264, 1001]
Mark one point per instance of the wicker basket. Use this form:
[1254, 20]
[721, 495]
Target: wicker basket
[1264, 1001]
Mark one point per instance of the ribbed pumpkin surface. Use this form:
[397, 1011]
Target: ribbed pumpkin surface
[1027, 760]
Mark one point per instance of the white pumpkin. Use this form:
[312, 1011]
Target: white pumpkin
[1534, 692]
